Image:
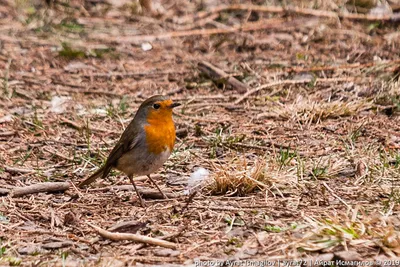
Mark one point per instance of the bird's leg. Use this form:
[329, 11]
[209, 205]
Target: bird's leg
[159, 189]
[137, 192]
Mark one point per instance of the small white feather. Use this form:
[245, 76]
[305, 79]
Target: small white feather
[196, 178]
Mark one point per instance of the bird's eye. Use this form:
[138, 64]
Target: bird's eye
[156, 106]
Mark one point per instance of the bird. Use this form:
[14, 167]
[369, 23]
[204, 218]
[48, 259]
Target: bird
[145, 144]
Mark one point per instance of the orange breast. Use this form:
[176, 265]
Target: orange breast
[160, 134]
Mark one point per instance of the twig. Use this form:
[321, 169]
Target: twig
[336, 196]
[264, 86]
[67, 84]
[39, 188]
[95, 92]
[57, 154]
[341, 67]
[297, 10]
[155, 261]
[9, 133]
[222, 208]
[76, 189]
[54, 233]
[196, 24]
[71, 123]
[200, 98]
[386, 131]
[146, 193]
[136, 75]
[127, 226]
[57, 245]
[258, 239]
[175, 91]
[80, 127]
[216, 74]
[133, 237]
[272, 23]
[16, 169]
[188, 201]
[263, 148]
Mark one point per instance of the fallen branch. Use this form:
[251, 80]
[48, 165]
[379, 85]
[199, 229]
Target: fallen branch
[133, 237]
[217, 74]
[40, 188]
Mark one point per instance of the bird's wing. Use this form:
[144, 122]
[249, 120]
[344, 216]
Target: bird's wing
[128, 141]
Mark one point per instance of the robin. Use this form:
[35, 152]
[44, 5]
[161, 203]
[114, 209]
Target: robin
[145, 144]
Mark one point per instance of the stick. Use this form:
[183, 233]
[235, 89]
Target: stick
[146, 193]
[340, 67]
[297, 10]
[336, 196]
[39, 188]
[16, 169]
[216, 74]
[57, 154]
[127, 226]
[270, 24]
[136, 75]
[190, 199]
[264, 86]
[95, 92]
[80, 127]
[71, 123]
[133, 237]
[9, 133]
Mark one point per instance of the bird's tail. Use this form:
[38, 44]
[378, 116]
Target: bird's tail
[92, 178]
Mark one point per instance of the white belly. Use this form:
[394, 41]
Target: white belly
[134, 163]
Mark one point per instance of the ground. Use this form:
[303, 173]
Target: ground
[300, 135]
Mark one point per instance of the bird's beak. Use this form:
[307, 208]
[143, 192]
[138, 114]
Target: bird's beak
[174, 105]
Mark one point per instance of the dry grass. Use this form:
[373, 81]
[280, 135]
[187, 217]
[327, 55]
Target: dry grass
[305, 112]
[304, 165]
[239, 179]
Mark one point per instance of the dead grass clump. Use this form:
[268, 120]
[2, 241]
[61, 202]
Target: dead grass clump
[325, 234]
[388, 99]
[239, 179]
[314, 112]
[351, 230]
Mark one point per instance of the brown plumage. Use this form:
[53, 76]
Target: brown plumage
[145, 144]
